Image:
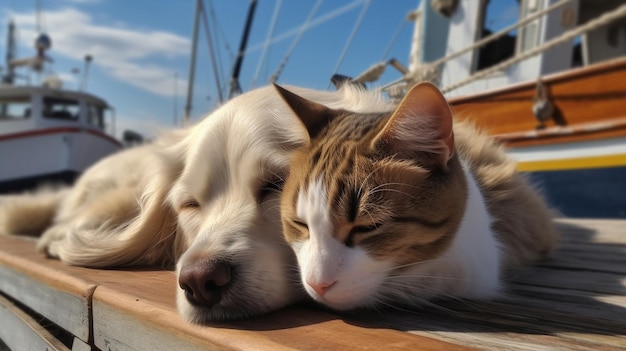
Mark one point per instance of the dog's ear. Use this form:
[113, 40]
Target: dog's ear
[314, 116]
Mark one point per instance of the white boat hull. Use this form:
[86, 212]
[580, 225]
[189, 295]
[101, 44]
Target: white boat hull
[53, 151]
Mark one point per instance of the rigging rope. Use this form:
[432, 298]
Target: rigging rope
[266, 44]
[217, 29]
[431, 71]
[295, 41]
[394, 38]
[501, 33]
[207, 32]
[220, 30]
[567, 36]
[357, 24]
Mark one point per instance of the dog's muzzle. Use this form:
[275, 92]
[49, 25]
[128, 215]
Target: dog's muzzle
[205, 281]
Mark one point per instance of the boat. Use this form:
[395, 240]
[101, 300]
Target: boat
[48, 133]
[550, 87]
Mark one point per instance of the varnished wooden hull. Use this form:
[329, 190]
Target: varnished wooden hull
[579, 156]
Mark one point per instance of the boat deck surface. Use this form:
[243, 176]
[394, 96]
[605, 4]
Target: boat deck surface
[575, 301]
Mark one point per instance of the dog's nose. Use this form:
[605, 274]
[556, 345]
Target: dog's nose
[204, 281]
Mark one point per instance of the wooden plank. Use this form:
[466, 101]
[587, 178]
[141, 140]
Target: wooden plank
[141, 317]
[579, 304]
[54, 290]
[510, 324]
[577, 301]
[594, 282]
[599, 260]
[19, 331]
[596, 231]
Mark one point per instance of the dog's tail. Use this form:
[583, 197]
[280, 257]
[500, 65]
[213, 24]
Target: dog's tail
[30, 213]
[137, 231]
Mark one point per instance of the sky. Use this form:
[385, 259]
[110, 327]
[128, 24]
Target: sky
[141, 48]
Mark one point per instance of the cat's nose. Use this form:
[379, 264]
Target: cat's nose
[321, 287]
[204, 281]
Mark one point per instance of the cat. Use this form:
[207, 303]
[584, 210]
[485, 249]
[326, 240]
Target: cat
[403, 207]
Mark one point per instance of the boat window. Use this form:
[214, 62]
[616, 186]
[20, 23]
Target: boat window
[15, 108]
[95, 115]
[529, 34]
[497, 15]
[60, 108]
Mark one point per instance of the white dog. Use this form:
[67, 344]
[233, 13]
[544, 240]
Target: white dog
[205, 198]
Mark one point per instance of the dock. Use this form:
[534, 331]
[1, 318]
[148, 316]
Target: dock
[574, 301]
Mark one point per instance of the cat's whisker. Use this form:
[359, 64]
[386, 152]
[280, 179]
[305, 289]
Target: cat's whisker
[278, 176]
[271, 209]
[416, 302]
[401, 184]
[383, 302]
[417, 275]
[369, 214]
[410, 289]
[394, 191]
[438, 259]
[364, 181]
[417, 263]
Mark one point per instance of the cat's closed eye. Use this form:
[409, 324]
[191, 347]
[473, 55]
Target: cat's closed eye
[359, 229]
[298, 223]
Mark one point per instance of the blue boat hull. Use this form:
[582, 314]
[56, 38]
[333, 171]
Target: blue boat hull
[584, 193]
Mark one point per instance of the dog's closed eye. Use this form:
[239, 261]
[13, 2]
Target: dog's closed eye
[273, 186]
[189, 204]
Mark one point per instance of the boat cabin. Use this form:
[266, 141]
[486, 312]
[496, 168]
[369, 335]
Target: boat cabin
[526, 26]
[50, 134]
[28, 107]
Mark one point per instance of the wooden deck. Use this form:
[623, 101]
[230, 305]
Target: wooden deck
[577, 301]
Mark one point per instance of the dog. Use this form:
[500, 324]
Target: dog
[204, 199]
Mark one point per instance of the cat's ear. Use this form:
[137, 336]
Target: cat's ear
[314, 116]
[421, 126]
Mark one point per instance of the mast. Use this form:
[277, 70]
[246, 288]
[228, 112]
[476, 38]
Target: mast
[10, 76]
[209, 38]
[192, 64]
[235, 88]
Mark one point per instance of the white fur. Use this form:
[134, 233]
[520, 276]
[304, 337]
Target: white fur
[469, 268]
[352, 277]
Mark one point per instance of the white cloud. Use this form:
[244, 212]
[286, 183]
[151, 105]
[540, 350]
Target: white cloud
[122, 52]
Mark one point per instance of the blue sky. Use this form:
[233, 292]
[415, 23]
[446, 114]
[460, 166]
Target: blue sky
[141, 48]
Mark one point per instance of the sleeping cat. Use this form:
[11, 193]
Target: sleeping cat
[398, 208]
